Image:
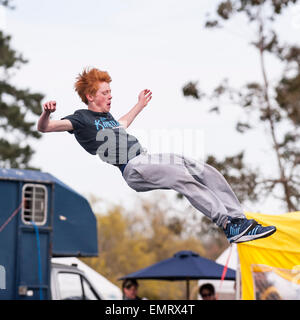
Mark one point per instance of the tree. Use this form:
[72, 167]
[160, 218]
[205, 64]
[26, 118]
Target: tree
[18, 109]
[273, 104]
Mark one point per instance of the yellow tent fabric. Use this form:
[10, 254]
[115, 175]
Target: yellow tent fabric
[280, 252]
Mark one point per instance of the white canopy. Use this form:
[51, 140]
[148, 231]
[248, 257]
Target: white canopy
[222, 259]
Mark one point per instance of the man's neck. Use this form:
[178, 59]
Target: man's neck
[93, 107]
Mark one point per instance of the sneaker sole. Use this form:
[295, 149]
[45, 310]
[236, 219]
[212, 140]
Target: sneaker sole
[256, 236]
[235, 238]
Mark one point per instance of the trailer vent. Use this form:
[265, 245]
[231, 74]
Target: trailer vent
[35, 204]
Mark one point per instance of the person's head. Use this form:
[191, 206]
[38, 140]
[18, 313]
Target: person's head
[207, 292]
[93, 87]
[130, 287]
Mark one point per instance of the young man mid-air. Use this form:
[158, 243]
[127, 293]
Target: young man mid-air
[98, 132]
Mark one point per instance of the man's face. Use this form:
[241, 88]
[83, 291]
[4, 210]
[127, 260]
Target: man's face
[130, 292]
[102, 97]
[207, 295]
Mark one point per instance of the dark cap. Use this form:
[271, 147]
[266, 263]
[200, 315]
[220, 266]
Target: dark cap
[128, 283]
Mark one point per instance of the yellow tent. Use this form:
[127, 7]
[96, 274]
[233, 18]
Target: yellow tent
[270, 267]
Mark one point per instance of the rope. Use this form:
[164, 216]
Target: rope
[225, 268]
[39, 259]
[10, 217]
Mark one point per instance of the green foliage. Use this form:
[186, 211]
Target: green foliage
[6, 3]
[190, 89]
[19, 109]
[9, 58]
[288, 97]
[228, 9]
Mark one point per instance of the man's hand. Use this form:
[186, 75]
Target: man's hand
[144, 97]
[50, 106]
[47, 125]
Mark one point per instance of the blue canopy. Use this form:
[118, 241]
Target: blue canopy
[182, 266]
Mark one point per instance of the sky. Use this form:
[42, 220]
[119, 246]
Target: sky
[160, 45]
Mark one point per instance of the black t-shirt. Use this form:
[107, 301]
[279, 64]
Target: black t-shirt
[99, 133]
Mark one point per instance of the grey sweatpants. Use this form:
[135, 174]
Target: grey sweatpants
[204, 187]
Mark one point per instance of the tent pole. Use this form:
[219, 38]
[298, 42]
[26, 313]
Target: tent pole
[188, 289]
[238, 278]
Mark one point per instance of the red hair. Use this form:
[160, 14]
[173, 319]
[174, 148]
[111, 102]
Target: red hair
[88, 82]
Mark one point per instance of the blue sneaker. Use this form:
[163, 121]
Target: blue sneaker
[237, 227]
[257, 232]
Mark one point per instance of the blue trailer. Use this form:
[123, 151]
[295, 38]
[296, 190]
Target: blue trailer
[40, 218]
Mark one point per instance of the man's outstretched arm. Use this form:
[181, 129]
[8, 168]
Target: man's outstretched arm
[144, 97]
[47, 125]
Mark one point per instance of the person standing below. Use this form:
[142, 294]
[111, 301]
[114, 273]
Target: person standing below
[207, 292]
[130, 289]
[96, 130]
